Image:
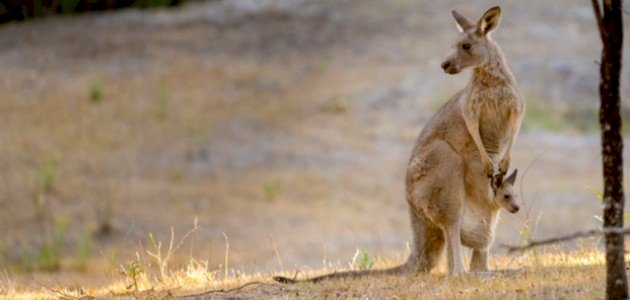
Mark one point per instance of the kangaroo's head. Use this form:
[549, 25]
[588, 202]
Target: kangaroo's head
[504, 194]
[473, 45]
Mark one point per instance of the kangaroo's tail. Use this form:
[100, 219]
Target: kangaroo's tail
[404, 268]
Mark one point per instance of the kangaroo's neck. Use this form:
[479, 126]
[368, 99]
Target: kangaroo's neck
[494, 71]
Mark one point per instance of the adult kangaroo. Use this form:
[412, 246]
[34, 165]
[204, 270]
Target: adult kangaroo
[454, 182]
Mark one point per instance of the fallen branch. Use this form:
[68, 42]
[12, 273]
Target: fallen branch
[566, 238]
[226, 291]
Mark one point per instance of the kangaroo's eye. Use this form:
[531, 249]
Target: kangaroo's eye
[506, 196]
[466, 46]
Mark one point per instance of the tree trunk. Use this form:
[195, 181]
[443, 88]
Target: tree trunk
[611, 31]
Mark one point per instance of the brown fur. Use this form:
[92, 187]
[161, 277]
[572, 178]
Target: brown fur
[466, 144]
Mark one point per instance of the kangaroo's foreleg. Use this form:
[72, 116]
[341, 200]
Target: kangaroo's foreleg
[471, 118]
[504, 164]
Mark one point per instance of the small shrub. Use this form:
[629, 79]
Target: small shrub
[83, 250]
[51, 251]
[336, 106]
[132, 274]
[46, 175]
[176, 174]
[44, 183]
[272, 189]
[96, 93]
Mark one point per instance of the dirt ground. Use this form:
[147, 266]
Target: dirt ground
[282, 126]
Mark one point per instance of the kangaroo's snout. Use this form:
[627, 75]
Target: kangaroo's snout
[449, 67]
[514, 209]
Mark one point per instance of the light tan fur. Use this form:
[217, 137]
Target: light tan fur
[453, 182]
[467, 141]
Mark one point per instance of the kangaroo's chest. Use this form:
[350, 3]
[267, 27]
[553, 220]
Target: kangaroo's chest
[497, 112]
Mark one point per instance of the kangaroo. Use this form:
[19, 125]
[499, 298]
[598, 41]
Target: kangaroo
[469, 139]
[503, 197]
[461, 157]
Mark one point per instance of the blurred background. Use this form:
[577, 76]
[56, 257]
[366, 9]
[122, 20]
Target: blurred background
[281, 126]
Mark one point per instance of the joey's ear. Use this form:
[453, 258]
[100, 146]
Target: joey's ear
[496, 182]
[512, 177]
[489, 21]
[463, 23]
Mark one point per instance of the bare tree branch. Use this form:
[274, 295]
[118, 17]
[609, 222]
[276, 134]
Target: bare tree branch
[598, 18]
[576, 235]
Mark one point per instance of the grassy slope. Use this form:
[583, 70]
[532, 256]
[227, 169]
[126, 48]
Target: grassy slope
[199, 115]
[545, 275]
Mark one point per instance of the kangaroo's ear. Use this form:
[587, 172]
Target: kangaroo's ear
[463, 23]
[489, 21]
[512, 177]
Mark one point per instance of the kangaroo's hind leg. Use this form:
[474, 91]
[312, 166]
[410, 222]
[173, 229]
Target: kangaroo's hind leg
[428, 244]
[436, 190]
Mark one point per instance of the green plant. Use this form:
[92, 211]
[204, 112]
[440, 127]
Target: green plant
[336, 105]
[272, 189]
[46, 175]
[541, 116]
[362, 259]
[83, 250]
[96, 92]
[132, 274]
[51, 251]
[176, 174]
[44, 181]
[322, 63]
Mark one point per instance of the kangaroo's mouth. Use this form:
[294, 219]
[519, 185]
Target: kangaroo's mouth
[452, 70]
[513, 208]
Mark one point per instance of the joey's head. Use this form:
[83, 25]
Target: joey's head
[473, 45]
[504, 195]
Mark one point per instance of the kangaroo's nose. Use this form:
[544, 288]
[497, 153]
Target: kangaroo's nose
[445, 65]
[515, 209]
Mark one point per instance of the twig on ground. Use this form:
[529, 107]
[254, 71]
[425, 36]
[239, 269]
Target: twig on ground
[227, 291]
[566, 238]
[60, 294]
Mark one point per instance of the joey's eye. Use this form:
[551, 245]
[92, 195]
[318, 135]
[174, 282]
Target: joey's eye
[466, 46]
[506, 196]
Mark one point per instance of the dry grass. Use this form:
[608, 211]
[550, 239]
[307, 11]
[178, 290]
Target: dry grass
[552, 274]
[286, 128]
